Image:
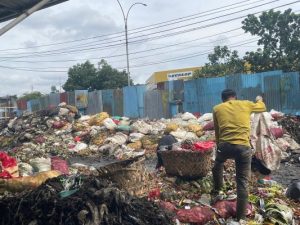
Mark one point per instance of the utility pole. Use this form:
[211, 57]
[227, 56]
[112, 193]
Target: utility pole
[125, 17]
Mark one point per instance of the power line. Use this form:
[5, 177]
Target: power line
[136, 66]
[146, 35]
[137, 52]
[157, 37]
[187, 56]
[122, 32]
[170, 22]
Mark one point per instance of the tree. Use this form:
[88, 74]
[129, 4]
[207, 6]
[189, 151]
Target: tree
[221, 62]
[54, 89]
[279, 34]
[81, 77]
[87, 77]
[31, 95]
[110, 78]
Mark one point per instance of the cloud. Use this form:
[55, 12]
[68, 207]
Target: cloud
[78, 19]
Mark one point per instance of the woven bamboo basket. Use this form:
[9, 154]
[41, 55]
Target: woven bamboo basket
[129, 175]
[187, 164]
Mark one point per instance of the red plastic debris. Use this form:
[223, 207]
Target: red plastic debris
[7, 161]
[5, 175]
[197, 114]
[204, 146]
[277, 132]
[168, 206]
[154, 194]
[77, 139]
[209, 126]
[117, 122]
[198, 215]
[59, 165]
[227, 208]
[58, 124]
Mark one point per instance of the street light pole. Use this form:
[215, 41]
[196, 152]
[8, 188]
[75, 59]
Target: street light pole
[125, 17]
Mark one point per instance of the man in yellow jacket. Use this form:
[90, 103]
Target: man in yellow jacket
[232, 128]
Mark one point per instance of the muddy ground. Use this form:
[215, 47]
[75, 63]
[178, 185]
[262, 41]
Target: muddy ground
[289, 170]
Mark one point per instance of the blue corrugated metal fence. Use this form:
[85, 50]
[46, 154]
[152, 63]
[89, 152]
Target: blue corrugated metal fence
[281, 92]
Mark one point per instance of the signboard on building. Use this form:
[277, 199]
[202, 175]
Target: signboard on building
[179, 75]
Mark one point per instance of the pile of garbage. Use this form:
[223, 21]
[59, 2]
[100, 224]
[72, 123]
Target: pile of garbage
[190, 200]
[80, 200]
[41, 141]
[39, 146]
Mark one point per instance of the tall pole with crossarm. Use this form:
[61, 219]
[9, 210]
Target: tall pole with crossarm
[125, 17]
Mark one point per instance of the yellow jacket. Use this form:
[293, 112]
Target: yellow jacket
[232, 121]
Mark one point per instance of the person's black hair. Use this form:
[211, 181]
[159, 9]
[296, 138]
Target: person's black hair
[228, 93]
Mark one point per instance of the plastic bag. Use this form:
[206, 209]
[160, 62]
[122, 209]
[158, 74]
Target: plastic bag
[264, 144]
[119, 139]
[168, 206]
[282, 144]
[58, 124]
[293, 191]
[171, 127]
[40, 164]
[209, 126]
[133, 137]
[276, 115]
[150, 142]
[7, 161]
[154, 194]
[227, 209]
[142, 127]
[194, 128]
[109, 124]
[98, 119]
[277, 132]
[25, 169]
[205, 117]
[79, 147]
[188, 116]
[279, 214]
[198, 215]
[59, 165]
[204, 146]
[63, 112]
[8, 166]
[183, 135]
[135, 145]
[124, 128]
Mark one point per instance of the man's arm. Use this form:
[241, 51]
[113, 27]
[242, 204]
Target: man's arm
[216, 125]
[259, 106]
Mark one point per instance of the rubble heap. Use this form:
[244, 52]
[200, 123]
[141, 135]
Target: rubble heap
[92, 201]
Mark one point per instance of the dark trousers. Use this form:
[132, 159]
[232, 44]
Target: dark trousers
[242, 156]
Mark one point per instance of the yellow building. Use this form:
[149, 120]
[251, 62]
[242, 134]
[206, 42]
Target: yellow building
[169, 75]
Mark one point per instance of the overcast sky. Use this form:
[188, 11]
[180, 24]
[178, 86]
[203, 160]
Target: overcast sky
[38, 52]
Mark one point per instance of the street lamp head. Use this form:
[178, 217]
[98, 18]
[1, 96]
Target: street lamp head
[144, 4]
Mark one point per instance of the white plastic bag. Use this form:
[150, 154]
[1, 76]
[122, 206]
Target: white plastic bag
[41, 164]
[134, 137]
[63, 112]
[205, 117]
[142, 127]
[188, 116]
[109, 124]
[266, 148]
[119, 139]
[80, 146]
[25, 169]
[184, 135]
